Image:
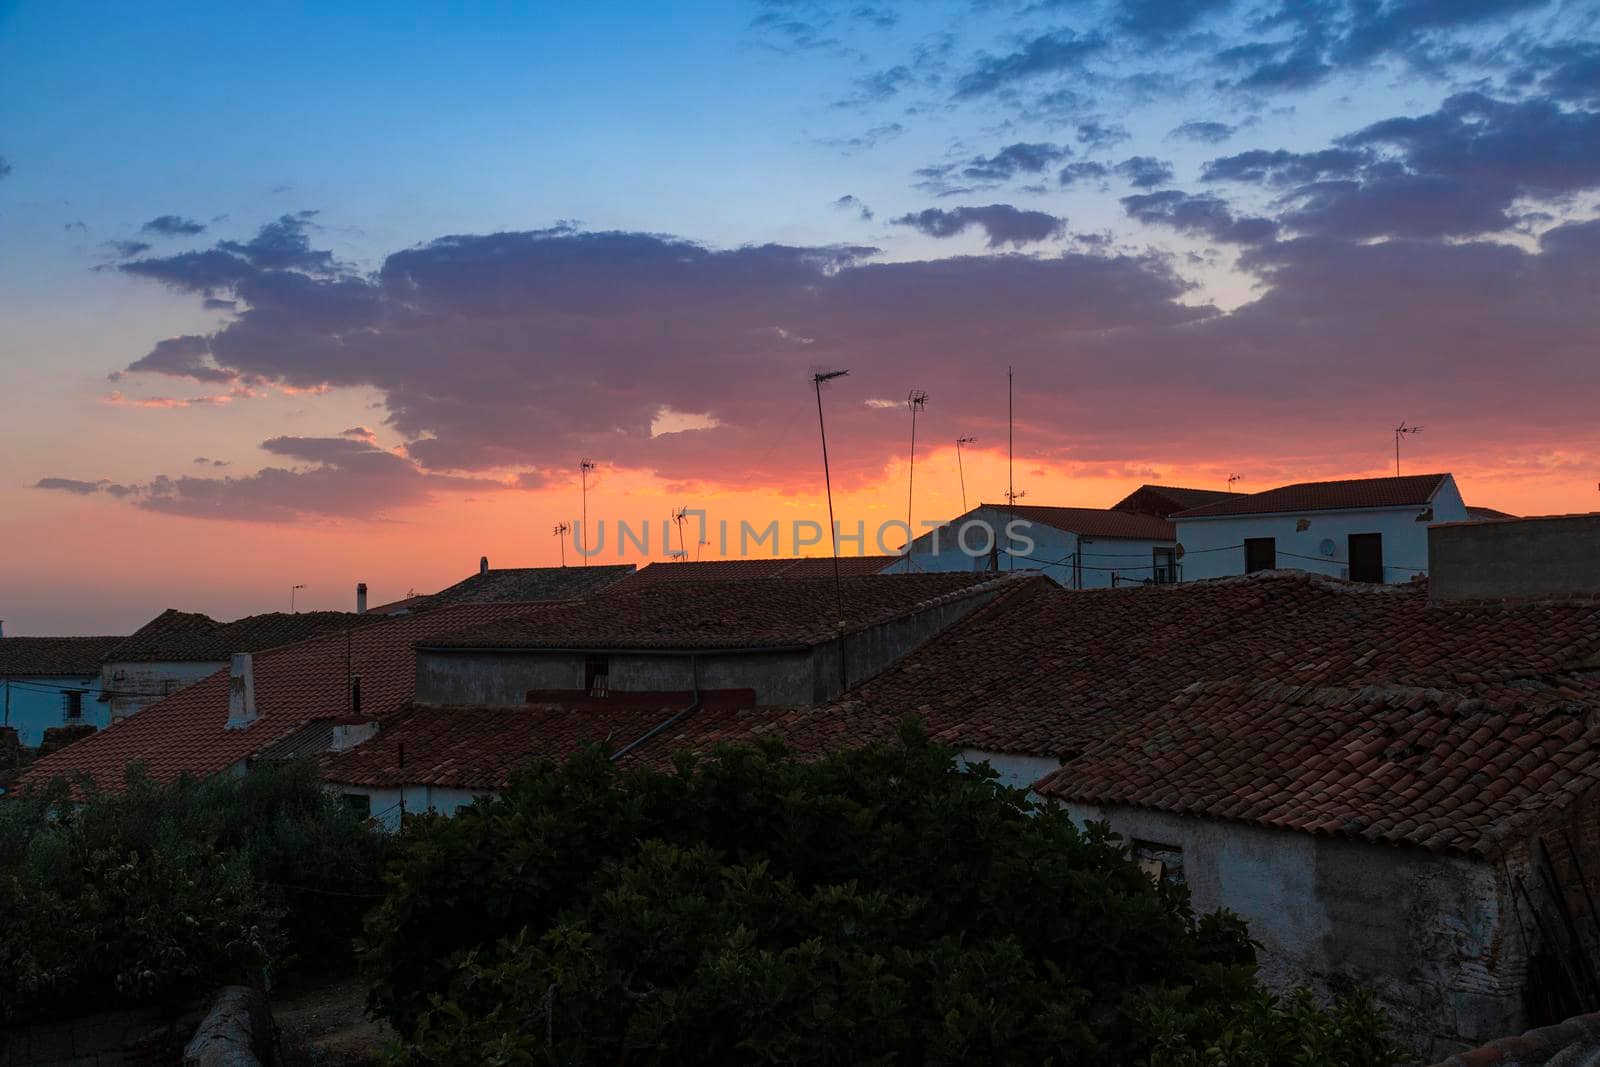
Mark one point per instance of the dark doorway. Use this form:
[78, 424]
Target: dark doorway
[1366, 557]
[1260, 554]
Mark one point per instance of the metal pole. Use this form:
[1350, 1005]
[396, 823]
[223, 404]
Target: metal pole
[833, 527]
[962, 474]
[1011, 485]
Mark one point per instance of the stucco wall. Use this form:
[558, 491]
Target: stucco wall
[493, 677]
[1129, 561]
[1430, 934]
[34, 704]
[1212, 548]
[132, 686]
[1516, 558]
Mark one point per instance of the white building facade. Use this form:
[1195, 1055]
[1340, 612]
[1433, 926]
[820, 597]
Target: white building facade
[1079, 548]
[1371, 530]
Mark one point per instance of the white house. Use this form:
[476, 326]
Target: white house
[1363, 529]
[1080, 548]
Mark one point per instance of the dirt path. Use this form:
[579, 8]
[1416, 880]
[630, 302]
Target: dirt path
[327, 1024]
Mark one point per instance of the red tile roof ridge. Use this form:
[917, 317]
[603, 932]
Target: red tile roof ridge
[1386, 491]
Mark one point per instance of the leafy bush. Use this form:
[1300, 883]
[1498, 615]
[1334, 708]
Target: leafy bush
[877, 906]
[160, 891]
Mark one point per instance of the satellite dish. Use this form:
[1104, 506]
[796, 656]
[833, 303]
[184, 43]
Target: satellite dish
[1327, 548]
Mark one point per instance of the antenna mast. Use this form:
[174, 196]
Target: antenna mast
[1399, 432]
[960, 473]
[293, 589]
[560, 531]
[916, 400]
[584, 467]
[827, 479]
[679, 517]
[1232, 478]
[1011, 485]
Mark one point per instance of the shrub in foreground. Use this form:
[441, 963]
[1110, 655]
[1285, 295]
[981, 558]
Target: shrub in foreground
[877, 906]
[161, 891]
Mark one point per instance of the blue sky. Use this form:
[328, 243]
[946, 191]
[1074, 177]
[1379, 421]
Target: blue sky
[1212, 235]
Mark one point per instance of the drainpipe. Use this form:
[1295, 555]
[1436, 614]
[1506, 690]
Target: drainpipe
[693, 706]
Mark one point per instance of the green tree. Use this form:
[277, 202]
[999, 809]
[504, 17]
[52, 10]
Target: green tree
[158, 892]
[880, 905]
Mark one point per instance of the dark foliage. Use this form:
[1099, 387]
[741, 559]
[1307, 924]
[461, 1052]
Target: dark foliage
[877, 906]
[159, 892]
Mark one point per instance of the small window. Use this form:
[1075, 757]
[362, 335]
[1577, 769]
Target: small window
[1163, 863]
[360, 803]
[1260, 554]
[596, 675]
[72, 701]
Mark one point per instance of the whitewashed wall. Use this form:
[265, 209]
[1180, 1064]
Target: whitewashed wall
[1429, 934]
[1213, 547]
[419, 798]
[1129, 560]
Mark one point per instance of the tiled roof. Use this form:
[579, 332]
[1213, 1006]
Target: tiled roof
[1487, 513]
[1573, 1043]
[1091, 522]
[1164, 500]
[1452, 770]
[295, 684]
[62, 657]
[479, 747]
[180, 636]
[1412, 490]
[723, 614]
[528, 584]
[745, 569]
[1057, 673]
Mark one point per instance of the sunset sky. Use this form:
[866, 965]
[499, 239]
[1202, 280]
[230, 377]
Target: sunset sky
[323, 298]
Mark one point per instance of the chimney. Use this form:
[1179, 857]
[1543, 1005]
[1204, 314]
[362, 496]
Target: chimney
[361, 598]
[2, 627]
[241, 691]
[483, 565]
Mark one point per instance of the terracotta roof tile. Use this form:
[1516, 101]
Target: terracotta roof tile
[21, 657]
[1092, 522]
[1408, 491]
[746, 569]
[186, 636]
[724, 614]
[295, 684]
[1164, 500]
[529, 584]
[480, 747]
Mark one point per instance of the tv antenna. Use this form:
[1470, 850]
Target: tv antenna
[916, 400]
[960, 473]
[584, 467]
[1014, 495]
[1399, 432]
[679, 517]
[703, 543]
[293, 589]
[561, 530]
[1011, 485]
[817, 380]
[1233, 479]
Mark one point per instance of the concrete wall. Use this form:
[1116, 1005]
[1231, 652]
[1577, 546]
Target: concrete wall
[778, 677]
[36, 704]
[1212, 547]
[499, 678]
[1516, 558]
[132, 686]
[1053, 552]
[1432, 935]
